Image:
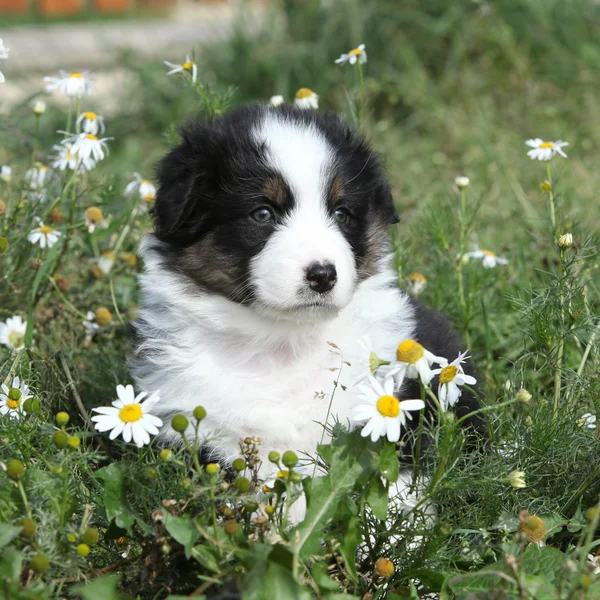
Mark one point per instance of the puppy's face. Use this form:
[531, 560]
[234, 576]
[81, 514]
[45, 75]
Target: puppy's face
[280, 209]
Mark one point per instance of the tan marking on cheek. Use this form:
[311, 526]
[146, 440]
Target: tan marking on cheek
[274, 190]
[378, 244]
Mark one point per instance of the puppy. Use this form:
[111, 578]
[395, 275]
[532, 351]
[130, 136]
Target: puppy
[271, 242]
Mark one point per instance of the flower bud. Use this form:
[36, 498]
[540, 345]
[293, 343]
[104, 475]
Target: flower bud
[565, 241]
[103, 316]
[39, 563]
[83, 550]
[14, 394]
[546, 186]
[62, 283]
[62, 418]
[212, 468]
[39, 108]
[29, 527]
[36, 263]
[462, 182]
[517, 479]
[269, 509]
[199, 413]
[166, 455]
[239, 464]
[31, 406]
[93, 214]
[523, 396]
[60, 439]
[533, 527]
[15, 469]
[289, 459]
[179, 423]
[74, 441]
[56, 216]
[384, 567]
[231, 527]
[274, 457]
[3, 243]
[276, 100]
[90, 536]
[242, 484]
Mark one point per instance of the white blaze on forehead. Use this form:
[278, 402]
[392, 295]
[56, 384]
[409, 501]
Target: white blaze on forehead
[301, 154]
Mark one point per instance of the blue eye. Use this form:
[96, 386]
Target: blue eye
[341, 215]
[262, 214]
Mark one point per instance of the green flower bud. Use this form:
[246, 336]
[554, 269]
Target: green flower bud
[242, 484]
[274, 457]
[166, 455]
[14, 394]
[60, 439]
[179, 423]
[90, 536]
[74, 441]
[39, 563]
[31, 406]
[289, 459]
[239, 464]
[186, 483]
[62, 418]
[150, 473]
[3, 244]
[83, 550]
[29, 527]
[199, 413]
[15, 469]
[212, 468]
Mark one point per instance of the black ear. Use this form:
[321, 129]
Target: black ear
[186, 177]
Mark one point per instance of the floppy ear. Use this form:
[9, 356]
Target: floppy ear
[186, 182]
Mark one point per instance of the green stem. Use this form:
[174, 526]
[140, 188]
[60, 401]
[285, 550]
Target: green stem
[65, 301]
[561, 343]
[361, 106]
[35, 139]
[24, 498]
[460, 264]
[486, 408]
[552, 202]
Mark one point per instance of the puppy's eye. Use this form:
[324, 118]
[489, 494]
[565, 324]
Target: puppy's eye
[341, 215]
[263, 214]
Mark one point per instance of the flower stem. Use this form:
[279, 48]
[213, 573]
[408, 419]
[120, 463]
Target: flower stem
[460, 264]
[552, 201]
[361, 105]
[561, 342]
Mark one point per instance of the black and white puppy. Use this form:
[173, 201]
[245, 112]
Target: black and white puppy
[271, 240]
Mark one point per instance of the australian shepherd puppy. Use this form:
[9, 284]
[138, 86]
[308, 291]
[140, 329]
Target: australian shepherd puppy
[270, 243]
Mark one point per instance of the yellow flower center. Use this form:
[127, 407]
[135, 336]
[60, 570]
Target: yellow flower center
[489, 253]
[45, 229]
[43, 168]
[130, 413]
[90, 116]
[448, 374]
[388, 406]
[89, 136]
[355, 52]
[547, 145]
[76, 75]
[148, 198]
[417, 277]
[69, 156]
[94, 214]
[188, 65]
[409, 352]
[16, 339]
[304, 93]
[14, 404]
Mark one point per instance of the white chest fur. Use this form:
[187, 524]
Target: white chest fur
[256, 376]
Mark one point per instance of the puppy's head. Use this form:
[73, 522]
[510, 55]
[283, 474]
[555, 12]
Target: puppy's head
[281, 209]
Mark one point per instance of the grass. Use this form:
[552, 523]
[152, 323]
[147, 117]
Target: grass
[452, 88]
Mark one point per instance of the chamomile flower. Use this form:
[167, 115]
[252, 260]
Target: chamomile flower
[384, 413]
[129, 416]
[90, 122]
[451, 377]
[368, 362]
[86, 146]
[105, 262]
[416, 283]
[358, 54]
[587, 420]
[3, 56]
[488, 258]
[593, 563]
[67, 158]
[462, 182]
[189, 65]
[90, 325]
[145, 188]
[43, 235]
[414, 362]
[11, 399]
[37, 176]
[5, 173]
[276, 100]
[545, 150]
[12, 333]
[306, 98]
[74, 85]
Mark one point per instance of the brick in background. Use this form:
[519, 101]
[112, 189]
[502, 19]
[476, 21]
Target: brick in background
[52, 8]
[14, 6]
[112, 6]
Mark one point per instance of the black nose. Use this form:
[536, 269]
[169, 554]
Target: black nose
[321, 277]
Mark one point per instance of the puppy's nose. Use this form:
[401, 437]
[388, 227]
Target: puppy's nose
[321, 276]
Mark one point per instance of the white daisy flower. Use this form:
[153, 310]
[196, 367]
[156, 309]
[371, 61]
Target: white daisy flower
[369, 362]
[416, 282]
[414, 362]
[86, 146]
[36, 176]
[276, 100]
[356, 55]
[451, 377]
[189, 65]
[43, 235]
[488, 258]
[462, 182]
[6, 173]
[129, 416]
[90, 325]
[545, 150]
[74, 85]
[145, 188]
[306, 98]
[11, 399]
[12, 333]
[587, 420]
[3, 56]
[593, 563]
[90, 122]
[105, 262]
[66, 158]
[384, 413]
